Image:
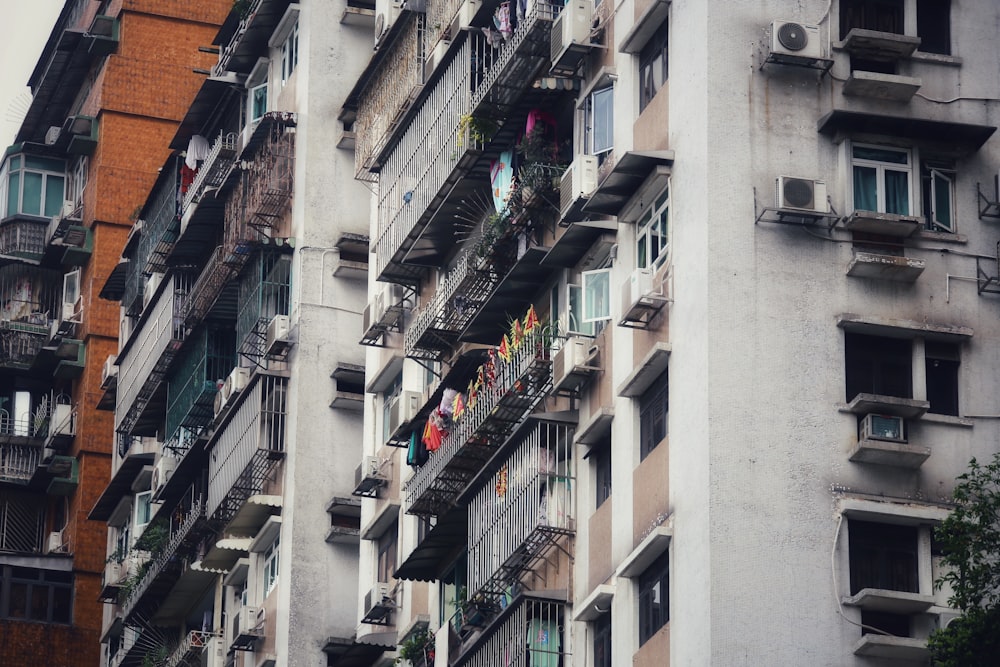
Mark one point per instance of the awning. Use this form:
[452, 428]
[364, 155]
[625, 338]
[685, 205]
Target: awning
[114, 286]
[630, 174]
[576, 241]
[956, 138]
[350, 652]
[119, 486]
[438, 549]
[253, 514]
[224, 553]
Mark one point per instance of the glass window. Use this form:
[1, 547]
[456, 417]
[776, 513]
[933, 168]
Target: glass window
[258, 102]
[651, 234]
[653, 410]
[934, 26]
[143, 510]
[883, 556]
[602, 641]
[652, 67]
[37, 188]
[599, 121]
[602, 472]
[596, 295]
[576, 323]
[654, 598]
[36, 594]
[878, 365]
[880, 15]
[271, 566]
[387, 553]
[881, 179]
[937, 180]
[389, 400]
[290, 53]
[941, 365]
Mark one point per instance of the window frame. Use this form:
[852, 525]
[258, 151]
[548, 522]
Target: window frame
[602, 461]
[602, 640]
[15, 169]
[654, 411]
[933, 172]
[653, 583]
[270, 562]
[655, 51]
[142, 499]
[596, 289]
[592, 122]
[44, 582]
[881, 167]
[290, 53]
[387, 553]
[657, 214]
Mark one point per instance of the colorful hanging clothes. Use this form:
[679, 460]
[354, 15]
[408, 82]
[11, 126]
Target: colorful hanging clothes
[543, 643]
[502, 177]
[530, 320]
[501, 19]
[416, 454]
[433, 435]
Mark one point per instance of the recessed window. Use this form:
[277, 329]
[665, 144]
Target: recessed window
[652, 67]
[602, 641]
[387, 552]
[881, 178]
[941, 365]
[651, 233]
[601, 457]
[28, 593]
[258, 102]
[290, 53]
[883, 556]
[879, 15]
[271, 566]
[878, 365]
[653, 407]
[934, 26]
[654, 598]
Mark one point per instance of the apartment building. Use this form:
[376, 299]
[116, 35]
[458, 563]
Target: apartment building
[677, 310]
[112, 82]
[237, 405]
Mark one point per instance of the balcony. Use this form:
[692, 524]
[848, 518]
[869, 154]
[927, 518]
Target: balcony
[20, 343]
[158, 231]
[247, 446]
[211, 174]
[249, 37]
[263, 293]
[18, 463]
[529, 631]
[147, 357]
[523, 509]
[191, 648]
[519, 385]
[23, 237]
[208, 357]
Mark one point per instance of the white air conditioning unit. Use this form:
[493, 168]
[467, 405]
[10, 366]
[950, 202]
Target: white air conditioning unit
[945, 618]
[578, 182]
[374, 311]
[797, 40]
[55, 544]
[883, 427]
[801, 194]
[234, 384]
[377, 600]
[62, 420]
[636, 288]
[152, 282]
[570, 40]
[251, 620]
[276, 340]
[576, 352]
[52, 134]
[403, 409]
[215, 652]
[163, 469]
[109, 371]
[386, 13]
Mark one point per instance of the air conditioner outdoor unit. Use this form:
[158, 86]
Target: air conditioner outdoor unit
[577, 351]
[62, 422]
[371, 468]
[54, 544]
[636, 288]
[883, 427]
[377, 602]
[570, 39]
[52, 134]
[276, 340]
[403, 409]
[251, 620]
[579, 180]
[945, 618]
[163, 469]
[215, 652]
[152, 282]
[234, 384]
[386, 13]
[803, 194]
[798, 40]
[109, 371]
[374, 311]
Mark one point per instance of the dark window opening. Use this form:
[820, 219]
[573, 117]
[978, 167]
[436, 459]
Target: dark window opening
[654, 597]
[878, 365]
[878, 243]
[602, 472]
[33, 594]
[602, 641]
[387, 553]
[934, 26]
[653, 407]
[653, 68]
[894, 624]
[883, 556]
[942, 361]
[880, 15]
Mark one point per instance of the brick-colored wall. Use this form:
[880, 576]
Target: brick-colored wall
[24, 644]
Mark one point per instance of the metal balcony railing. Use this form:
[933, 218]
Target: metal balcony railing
[247, 447]
[435, 327]
[159, 561]
[264, 293]
[228, 50]
[212, 171]
[191, 647]
[529, 631]
[20, 343]
[18, 462]
[23, 238]
[207, 359]
[522, 510]
[150, 352]
[520, 385]
[160, 225]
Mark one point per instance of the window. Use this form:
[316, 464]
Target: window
[601, 456]
[652, 67]
[653, 405]
[597, 295]
[878, 365]
[35, 186]
[881, 179]
[271, 565]
[883, 556]
[934, 26]
[290, 53]
[651, 244]
[880, 15]
[602, 641]
[258, 102]
[389, 400]
[387, 552]
[937, 187]
[143, 511]
[76, 180]
[654, 597]
[576, 323]
[599, 122]
[33, 594]
[256, 85]
[941, 362]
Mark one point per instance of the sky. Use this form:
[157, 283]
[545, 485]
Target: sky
[24, 29]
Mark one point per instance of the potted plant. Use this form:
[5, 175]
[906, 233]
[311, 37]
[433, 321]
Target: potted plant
[418, 649]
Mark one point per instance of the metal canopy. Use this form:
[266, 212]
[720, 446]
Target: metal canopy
[628, 175]
[119, 486]
[438, 549]
[960, 138]
[510, 299]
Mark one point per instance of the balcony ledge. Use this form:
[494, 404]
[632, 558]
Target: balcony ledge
[887, 224]
[889, 87]
[885, 267]
[884, 452]
[893, 602]
[886, 646]
[878, 45]
[908, 408]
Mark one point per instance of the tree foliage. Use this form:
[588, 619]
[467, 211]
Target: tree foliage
[970, 542]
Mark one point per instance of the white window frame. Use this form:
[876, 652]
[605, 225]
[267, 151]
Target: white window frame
[290, 53]
[143, 499]
[938, 172]
[596, 295]
[591, 121]
[257, 80]
[657, 212]
[270, 561]
[881, 167]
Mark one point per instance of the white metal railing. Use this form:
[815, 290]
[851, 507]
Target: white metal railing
[196, 512]
[229, 49]
[160, 329]
[528, 500]
[18, 462]
[193, 644]
[427, 153]
[530, 633]
[258, 424]
[512, 379]
[212, 170]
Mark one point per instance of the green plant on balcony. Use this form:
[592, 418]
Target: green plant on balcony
[418, 648]
[479, 129]
[155, 658]
[535, 147]
[242, 7]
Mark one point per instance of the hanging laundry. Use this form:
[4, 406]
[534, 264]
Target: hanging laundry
[416, 453]
[432, 436]
[501, 19]
[447, 404]
[543, 642]
[187, 178]
[502, 177]
[197, 151]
